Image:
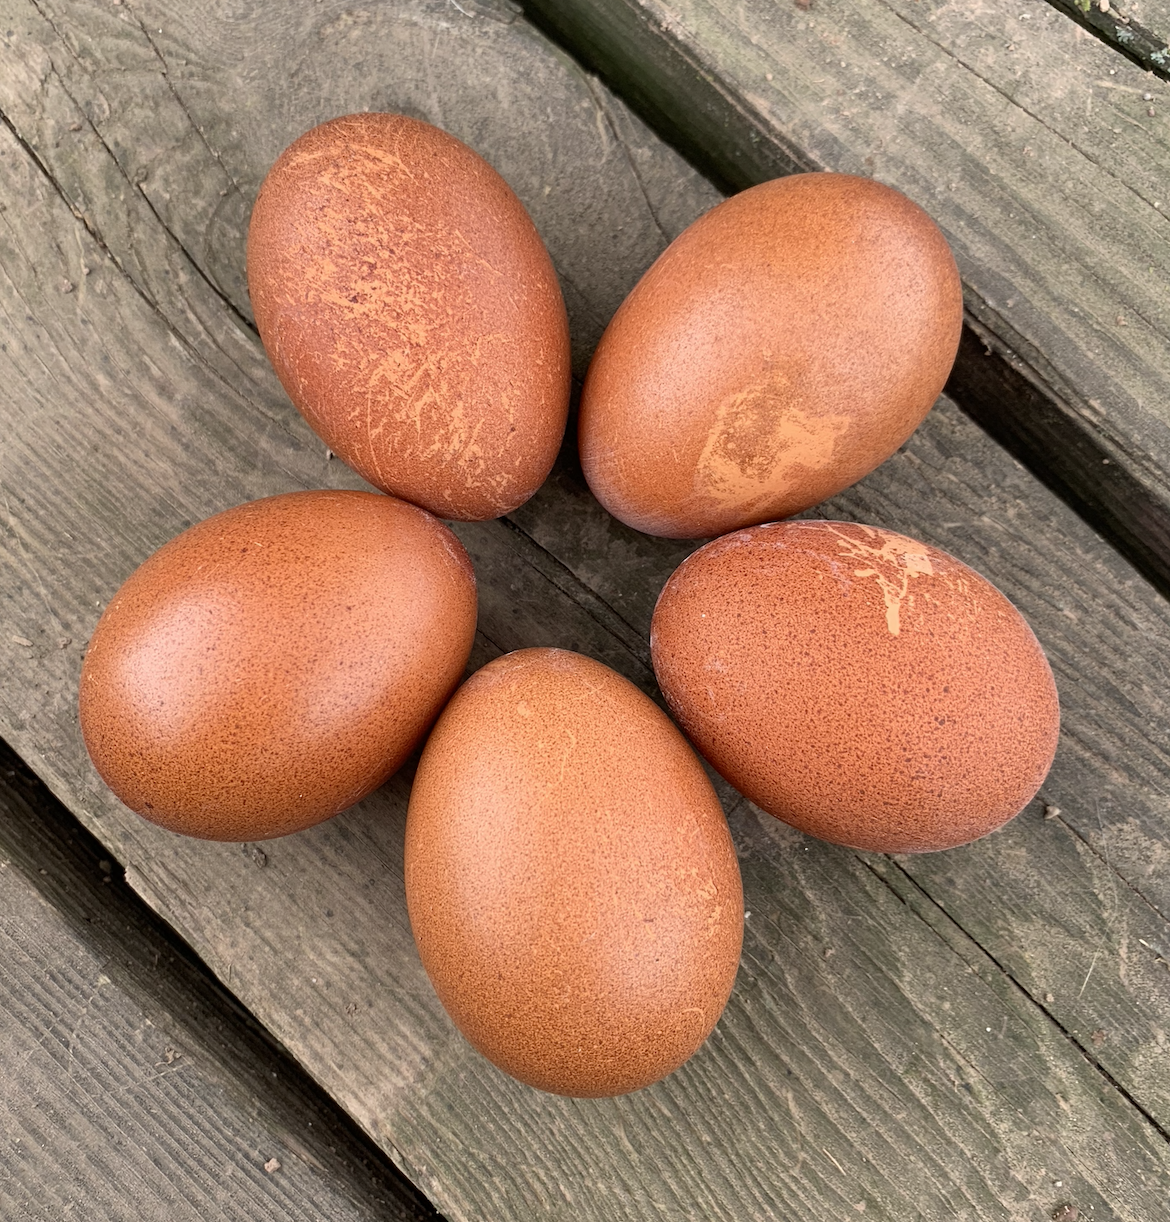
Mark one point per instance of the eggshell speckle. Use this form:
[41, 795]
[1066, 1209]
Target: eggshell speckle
[275, 663]
[781, 348]
[571, 880]
[862, 686]
[412, 313]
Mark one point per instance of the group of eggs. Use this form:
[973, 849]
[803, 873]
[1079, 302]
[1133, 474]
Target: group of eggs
[571, 881]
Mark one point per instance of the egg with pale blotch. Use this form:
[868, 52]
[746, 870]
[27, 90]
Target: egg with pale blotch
[782, 347]
[571, 880]
[411, 311]
[859, 685]
[272, 665]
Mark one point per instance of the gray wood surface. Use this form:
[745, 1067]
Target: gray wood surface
[132, 1086]
[1029, 140]
[977, 1035]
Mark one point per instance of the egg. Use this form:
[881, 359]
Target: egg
[570, 877]
[782, 347]
[411, 311]
[859, 685]
[273, 664]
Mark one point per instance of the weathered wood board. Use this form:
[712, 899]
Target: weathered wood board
[1043, 154]
[132, 1087]
[908, 1036]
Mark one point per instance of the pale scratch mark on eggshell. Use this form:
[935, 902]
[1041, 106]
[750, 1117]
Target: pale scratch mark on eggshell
[897, 555]
[759, 439]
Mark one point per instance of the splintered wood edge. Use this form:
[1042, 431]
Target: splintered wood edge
[1118, 30]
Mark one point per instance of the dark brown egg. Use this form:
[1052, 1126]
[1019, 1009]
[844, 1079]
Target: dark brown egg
[781, 348]
[571, 881]
[859, 685]
[275, 663]
[412, 313]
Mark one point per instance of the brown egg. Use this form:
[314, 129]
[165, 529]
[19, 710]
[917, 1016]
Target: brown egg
[859, 685]
[781, 348]
[275, 663]
[571, 881]
[412, 313]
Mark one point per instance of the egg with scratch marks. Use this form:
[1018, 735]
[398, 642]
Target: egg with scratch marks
[570, 877]
[411, 311]
[778, 350]
[862, 686]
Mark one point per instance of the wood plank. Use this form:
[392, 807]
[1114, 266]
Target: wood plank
[827, 1074]
[1025, 137]
[133, 1087]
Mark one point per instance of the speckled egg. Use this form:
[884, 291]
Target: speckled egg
[412, 313]
[571, 881]
[275, 663]
[862, 686]
[782, 347]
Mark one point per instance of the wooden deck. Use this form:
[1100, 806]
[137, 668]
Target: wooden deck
[976, 1034]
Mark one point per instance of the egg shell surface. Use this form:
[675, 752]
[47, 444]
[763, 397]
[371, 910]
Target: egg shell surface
[860, 685]
[411, 311]
[570, 877]
[273, 664]
[783, 346]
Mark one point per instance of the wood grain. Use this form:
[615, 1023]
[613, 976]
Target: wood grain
[1027, 139]
[133, 1086]
[135, 402]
